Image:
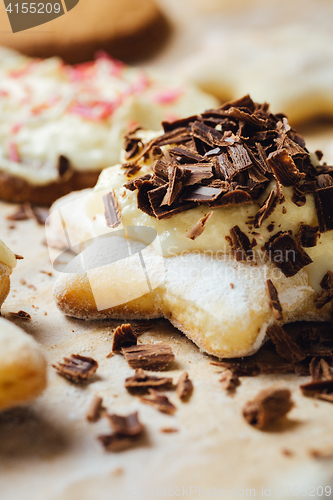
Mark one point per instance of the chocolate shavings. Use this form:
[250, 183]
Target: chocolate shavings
[285, 345]
[184, 387]
[286, 253]
[161, 403]
[274, 300]
[240, 244]
[229, 381]
[199, 227]
[267, 407]
[326, 295]
[123, 336]
[141, 382]
[308, 235]
[111, 210]
[149, 356]
[95, 409]
[77, 368]
[127, 430]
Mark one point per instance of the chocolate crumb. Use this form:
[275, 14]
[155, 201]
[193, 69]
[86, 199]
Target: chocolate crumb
[123, 337]
[326, 295]
[149, 356]
[184, 387]
[199, 227]
[286, 253]
[111, 210]
[287, 453]
[127, 430]
[95, 409]
[47, 272]
[232, 285]
[20, 314]
[240, 244]
[169, 430]
[77, 368]
[308, 235]
[141, 382]
[319, 154]
[158, 401]
[274, 300]
[267, 407]
[284, 210]
[284, 344]
[323, 453]
[229, 381]
[18, 257]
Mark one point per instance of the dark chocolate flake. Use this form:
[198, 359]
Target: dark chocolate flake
[229, 381]
[141, 382]
[308, 235]
[127, 430]
[284, 344]
[149, 356]
[111, 210]
[63, 165]
[267, 407]
[266, 209]
[123, 336]
[284, 168]
[95, 409]
[286, 253]
[326, 295]
[199, 227]
[274, 300]
[77, 368]
[184, 387]
[161, 403]
[241, 245]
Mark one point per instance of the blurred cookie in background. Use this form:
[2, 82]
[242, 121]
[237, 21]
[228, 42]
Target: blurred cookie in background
[279, 52]
[130, 30]
[60, 125]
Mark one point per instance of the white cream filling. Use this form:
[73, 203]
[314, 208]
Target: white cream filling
[49, 109]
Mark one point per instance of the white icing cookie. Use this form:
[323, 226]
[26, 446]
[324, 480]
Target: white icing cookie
[50, 109]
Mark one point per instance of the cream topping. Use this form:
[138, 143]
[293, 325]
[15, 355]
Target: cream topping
[48, 108]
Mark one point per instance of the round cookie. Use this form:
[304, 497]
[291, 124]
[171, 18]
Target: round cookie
[22, 366]
[61, 125]
[129, 30]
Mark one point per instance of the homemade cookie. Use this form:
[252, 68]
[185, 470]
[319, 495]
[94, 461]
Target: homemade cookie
[61, 125]
[288, 64]
[129, 30]
[232, 223]
[7, 264]
[22, 366]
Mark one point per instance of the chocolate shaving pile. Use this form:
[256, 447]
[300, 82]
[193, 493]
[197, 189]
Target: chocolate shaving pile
[227, 157]
[267, 407]
[149, 356]
[77, 368]
[184, 387]
[159, 401]
[141, 382]
[123, 336]
[126, 431]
